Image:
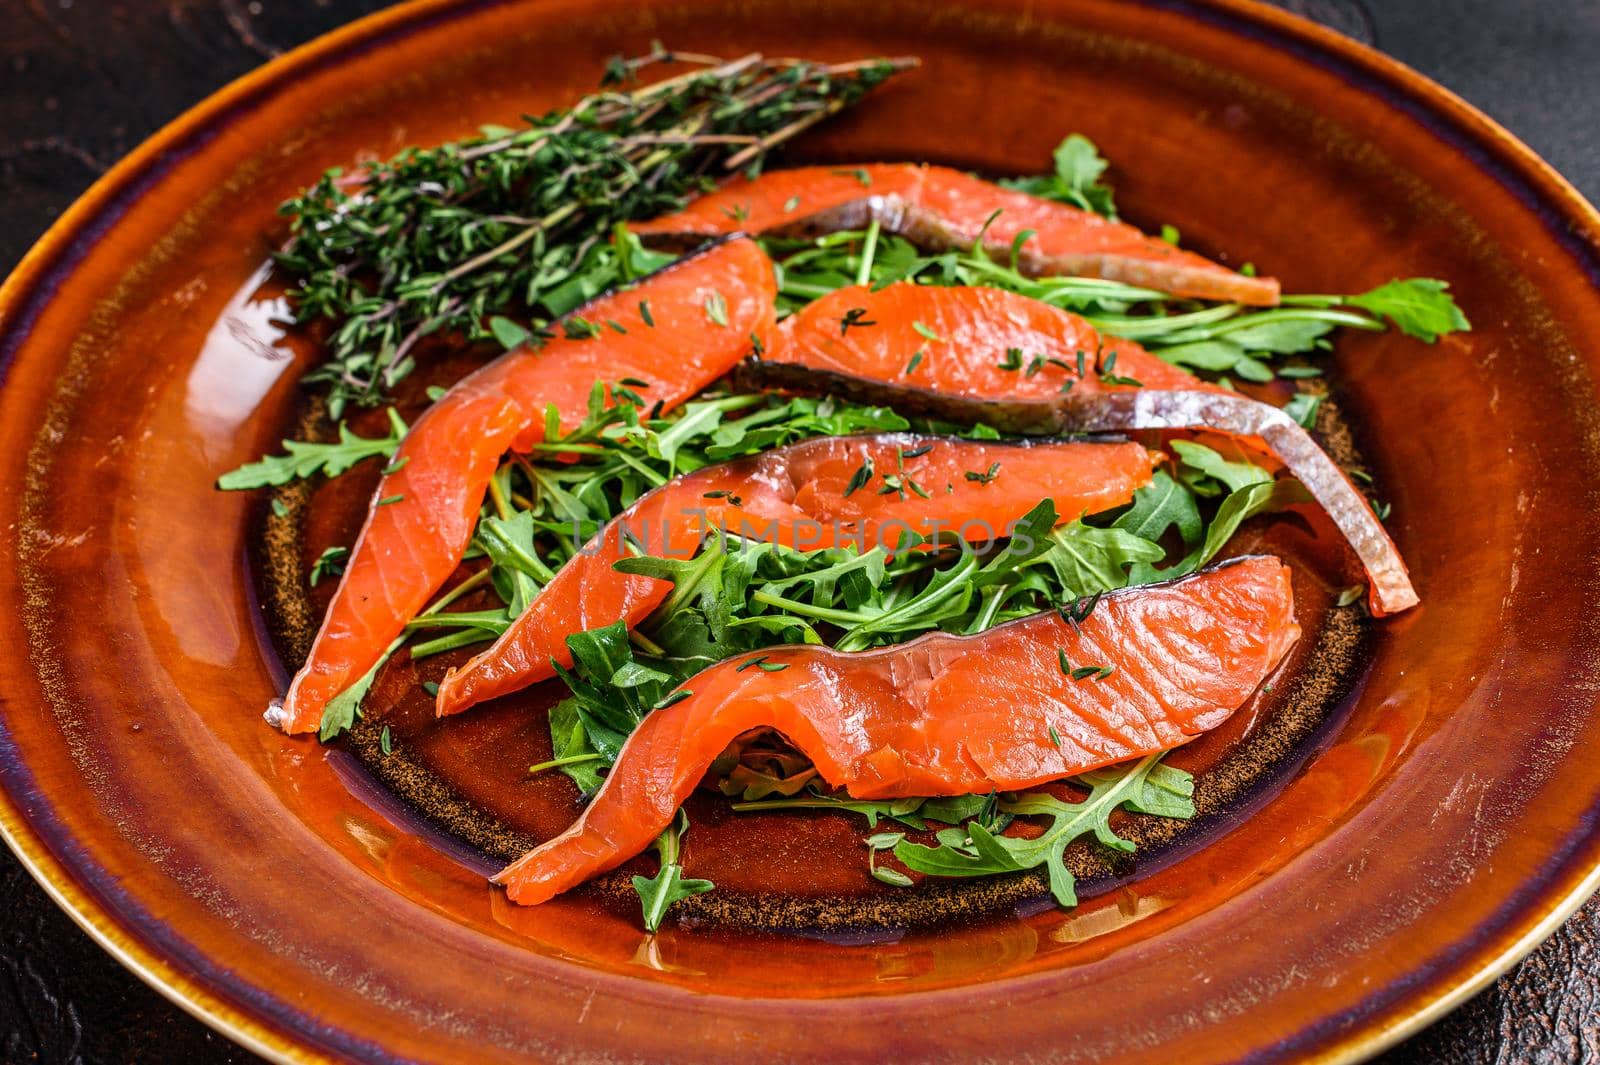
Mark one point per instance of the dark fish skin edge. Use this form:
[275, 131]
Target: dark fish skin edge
[1023, 417]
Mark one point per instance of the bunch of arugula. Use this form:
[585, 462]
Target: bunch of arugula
[736, 597]
[973, 846]
[542, 507]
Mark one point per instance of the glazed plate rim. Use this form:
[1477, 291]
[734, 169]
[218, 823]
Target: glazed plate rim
[55, 255]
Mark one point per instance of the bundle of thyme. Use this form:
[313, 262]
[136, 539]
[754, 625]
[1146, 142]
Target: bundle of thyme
[516, 221]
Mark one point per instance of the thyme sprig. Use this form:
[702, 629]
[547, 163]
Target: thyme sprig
[516, 221]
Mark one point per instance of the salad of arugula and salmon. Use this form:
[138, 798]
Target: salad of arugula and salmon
[931, 480]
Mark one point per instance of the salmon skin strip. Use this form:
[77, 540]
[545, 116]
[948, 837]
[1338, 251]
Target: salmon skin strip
[949, 715]
[424, 510]
[1389, 588]
[960, 380]
[937, 207]
[803, 496]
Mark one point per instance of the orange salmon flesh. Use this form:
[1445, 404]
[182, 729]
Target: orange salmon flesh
[949, 715]
[802, 497]
[424, 510]
[937, 207]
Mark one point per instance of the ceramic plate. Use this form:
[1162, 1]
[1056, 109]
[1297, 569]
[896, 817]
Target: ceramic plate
[1433, 825]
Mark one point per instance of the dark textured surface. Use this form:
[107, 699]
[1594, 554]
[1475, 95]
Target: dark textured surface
[83, 81]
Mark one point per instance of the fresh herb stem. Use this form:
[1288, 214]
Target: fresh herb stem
[472, 619]
[1149, 326]
[645, 644]
[498, 495]
[557, 763]
[464, 638]
[469, 584]
[658, 893]
[1255, 319]
[869, 249]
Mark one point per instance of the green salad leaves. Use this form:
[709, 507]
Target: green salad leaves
[659, 892]
[977, 849]
[739, 596]
[509, 275]
[1076, 180]
[308, 459]
[1223, 339]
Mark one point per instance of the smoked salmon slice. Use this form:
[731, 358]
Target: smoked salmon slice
[818, 493]
[937, 207]
[676, 331]
[967, 340]
[971, 354]
[950, 715]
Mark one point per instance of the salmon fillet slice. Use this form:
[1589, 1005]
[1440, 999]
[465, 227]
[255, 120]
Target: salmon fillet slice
[1014, 363]
[949, 715]
[804, 496]
[938, 207]
[662, 331]
[966, 340]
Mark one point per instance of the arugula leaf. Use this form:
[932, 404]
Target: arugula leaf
[341, 711]
[1079, 168]
[692, 578]
[1161, 505]
[1242, 345]
[1145, 787]
[329, 564]
[1087, 559]
[905, 811]
[1207, 473]
[834, 573]
[609, 713]
[798, 419]
[1029, 538]
[637, 675]
[570, 749]
[947, 594]
[1247, 502]
[698, 419]
[953, 810]
[1303, 407]
[1219, 356]
[1276, 332]
[516, 570]
[1419, 307]
[306, 459]
[658, 893]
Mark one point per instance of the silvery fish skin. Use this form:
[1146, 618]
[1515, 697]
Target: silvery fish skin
[1390, 590]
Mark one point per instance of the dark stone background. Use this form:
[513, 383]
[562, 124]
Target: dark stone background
[83, 81]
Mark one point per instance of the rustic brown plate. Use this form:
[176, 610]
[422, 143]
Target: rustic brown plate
[268, 886]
